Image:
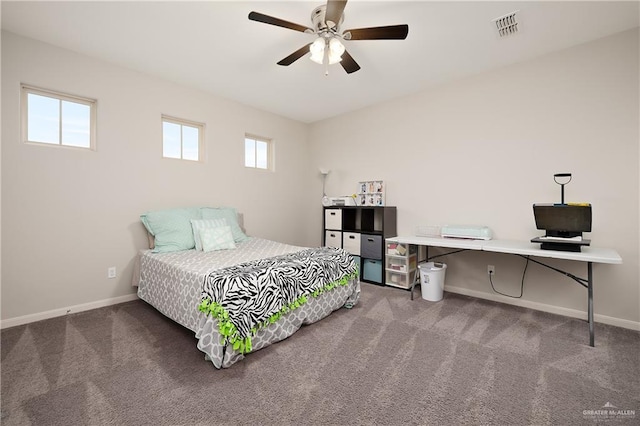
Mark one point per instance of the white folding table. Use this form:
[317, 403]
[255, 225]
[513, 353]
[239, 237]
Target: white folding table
[525, 249]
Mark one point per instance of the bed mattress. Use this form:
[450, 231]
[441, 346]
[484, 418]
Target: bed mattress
[172, 283]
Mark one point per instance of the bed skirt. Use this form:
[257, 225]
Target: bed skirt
[223, 355]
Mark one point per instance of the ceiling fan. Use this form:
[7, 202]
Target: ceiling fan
[327, 48]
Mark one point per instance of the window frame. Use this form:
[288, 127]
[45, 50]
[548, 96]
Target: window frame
[26, 89]
[270, 152]
[184, 122]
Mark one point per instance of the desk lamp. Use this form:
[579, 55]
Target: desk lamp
[562, 177]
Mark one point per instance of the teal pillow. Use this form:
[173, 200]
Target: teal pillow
[231, 216]
[171, 228]
[219, 238]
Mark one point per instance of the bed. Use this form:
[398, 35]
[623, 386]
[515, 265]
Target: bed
[243, 298]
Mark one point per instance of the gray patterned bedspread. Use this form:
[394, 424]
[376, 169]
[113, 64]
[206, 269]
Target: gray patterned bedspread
[172, 283]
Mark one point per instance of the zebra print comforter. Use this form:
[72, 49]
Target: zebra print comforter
[253, 295]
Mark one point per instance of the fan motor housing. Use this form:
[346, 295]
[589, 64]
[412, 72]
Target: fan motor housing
[319, 23]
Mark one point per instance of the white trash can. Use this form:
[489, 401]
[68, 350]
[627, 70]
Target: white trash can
[432, 280]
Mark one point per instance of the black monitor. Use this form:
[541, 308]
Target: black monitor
[563, 220]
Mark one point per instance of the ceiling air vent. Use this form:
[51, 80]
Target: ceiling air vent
[506, 25]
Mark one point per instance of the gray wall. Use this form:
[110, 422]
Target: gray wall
[69, 214]
[477, 151]
[484, 149]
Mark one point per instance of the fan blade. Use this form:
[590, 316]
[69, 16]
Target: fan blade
[391, 32]
[348, 63]
[295, 56]
[266, 19]
[334, 12]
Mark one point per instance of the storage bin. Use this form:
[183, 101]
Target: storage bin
[351, 242]
[333, 239]
[372, 270]
[400, 249]
[333, 218]
[371, 246]
[432, 280]
[357, 260]
[399, 279]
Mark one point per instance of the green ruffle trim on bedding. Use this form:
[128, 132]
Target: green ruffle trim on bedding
[229, 332]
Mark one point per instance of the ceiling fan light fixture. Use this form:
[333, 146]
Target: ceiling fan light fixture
[328, 46]
[317, 50]
[336, 49]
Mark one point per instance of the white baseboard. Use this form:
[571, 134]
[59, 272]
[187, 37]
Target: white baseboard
[26, 319]
[573, 313]
[618, 322]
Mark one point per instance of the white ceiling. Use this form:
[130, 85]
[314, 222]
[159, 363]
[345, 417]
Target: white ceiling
[214, 47]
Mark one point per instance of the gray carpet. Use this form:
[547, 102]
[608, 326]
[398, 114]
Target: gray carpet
[388, 361]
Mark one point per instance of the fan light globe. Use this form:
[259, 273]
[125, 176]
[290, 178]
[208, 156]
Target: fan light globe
[317, 50]
[336, 49]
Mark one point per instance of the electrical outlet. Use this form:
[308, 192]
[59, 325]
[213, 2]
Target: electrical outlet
[491, 270]
[111, 272]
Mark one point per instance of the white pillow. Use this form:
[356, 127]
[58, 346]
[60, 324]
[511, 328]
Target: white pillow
[228, 213]
[200, 224]
[219, 238]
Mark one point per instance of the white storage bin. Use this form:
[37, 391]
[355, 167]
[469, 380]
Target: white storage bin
[351, 242]
[432, 280]
[333, 239]
[333, 218]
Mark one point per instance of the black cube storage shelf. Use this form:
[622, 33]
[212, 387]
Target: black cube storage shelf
[361, 230]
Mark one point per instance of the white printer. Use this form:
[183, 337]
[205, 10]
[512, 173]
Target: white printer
[338, 201]
[472, 232]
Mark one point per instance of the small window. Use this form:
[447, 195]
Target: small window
[258, 152]
[181, 139]
[54, 118]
